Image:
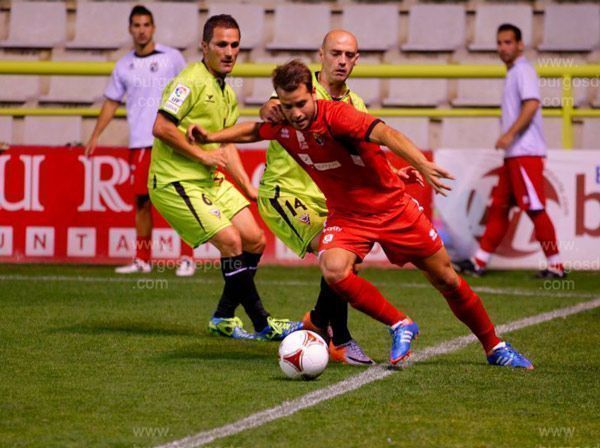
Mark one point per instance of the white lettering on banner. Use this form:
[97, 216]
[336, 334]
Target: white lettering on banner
[97, 191]
[81, 242]
[6, 241]
[39, 241]
[31, 184]
[121, 242]
[206, 251]
[257, 174]
[376, 254]
[165, 243]
[282, 252]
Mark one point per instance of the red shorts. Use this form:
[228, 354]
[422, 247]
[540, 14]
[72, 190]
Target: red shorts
[521, 183]
[139, 161]
[404, 235]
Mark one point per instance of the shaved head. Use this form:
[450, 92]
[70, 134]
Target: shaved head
[338, 53]
[339, 36]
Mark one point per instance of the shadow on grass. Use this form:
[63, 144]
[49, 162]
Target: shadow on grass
[128, 327]
[223, 350]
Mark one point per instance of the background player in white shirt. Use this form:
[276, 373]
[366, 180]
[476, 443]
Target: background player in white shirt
[521, 181]
[141, 75]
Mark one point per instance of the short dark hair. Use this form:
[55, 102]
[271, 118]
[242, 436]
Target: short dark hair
[140, 10]
[219, 21]
[289, 76]
[510, 27]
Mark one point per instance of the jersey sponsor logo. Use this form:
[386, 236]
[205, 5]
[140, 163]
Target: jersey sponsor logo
[306, 159]
[177, 98]
[210, 98]
[357, 160]
[154, 67]
[324, 166]
[332, 229]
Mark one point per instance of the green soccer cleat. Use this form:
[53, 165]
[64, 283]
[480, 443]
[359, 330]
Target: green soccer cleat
[231, 327]
[277, 329]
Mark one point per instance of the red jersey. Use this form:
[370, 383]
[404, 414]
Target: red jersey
[353, 173]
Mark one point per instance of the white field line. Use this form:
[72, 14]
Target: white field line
[134, 279]
[370, 375]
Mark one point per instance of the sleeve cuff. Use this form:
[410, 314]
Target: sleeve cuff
[169, 117]
[371, 127]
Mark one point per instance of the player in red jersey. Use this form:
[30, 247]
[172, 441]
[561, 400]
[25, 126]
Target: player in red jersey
[338, 147]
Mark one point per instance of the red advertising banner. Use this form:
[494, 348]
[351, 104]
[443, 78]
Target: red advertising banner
[56, 205]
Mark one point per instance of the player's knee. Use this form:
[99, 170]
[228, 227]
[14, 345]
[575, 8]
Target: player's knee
[333, 271]
[256, 243]
[229, 242]
[446, 279]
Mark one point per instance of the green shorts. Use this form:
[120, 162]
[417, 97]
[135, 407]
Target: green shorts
[197, 210]
[295, 219]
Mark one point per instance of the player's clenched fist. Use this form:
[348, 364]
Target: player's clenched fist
[196, 134]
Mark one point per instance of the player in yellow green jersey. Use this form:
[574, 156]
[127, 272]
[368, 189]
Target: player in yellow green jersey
[194, 197]
[292, 205]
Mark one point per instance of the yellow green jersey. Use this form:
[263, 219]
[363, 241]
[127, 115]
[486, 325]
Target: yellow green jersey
[195, 96]
[283, 171]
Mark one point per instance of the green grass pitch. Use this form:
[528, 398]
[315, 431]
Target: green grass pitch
[91, 359]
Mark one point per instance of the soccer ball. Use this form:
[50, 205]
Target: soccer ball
[303, 354]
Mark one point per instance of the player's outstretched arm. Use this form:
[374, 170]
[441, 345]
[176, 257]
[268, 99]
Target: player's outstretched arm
[166, 131]
[402, 146]
[240, 133]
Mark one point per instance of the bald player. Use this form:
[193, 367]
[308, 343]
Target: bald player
[292, 205]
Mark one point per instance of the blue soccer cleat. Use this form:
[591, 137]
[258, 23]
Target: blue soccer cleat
[402, 337]
[231, 327]
[507, 356]
[277, 329]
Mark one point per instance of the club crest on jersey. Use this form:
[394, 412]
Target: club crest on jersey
[216, 212]
[305, 218]
[154, 67]
[319, 139]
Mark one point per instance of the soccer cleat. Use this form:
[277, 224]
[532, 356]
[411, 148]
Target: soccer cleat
[186, 268]
[277, 329]
[506, 355]
[308, 324]
[138, 266]
[349, 353]
[468, 267]
[551, 273]
[402, 337]
[231, 327]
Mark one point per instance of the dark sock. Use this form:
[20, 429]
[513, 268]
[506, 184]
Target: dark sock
[331, 309]
[339, 321]
[240, 288]
[252, 261]
[321, 313]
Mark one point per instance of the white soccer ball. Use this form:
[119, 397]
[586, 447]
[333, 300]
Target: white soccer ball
[303, 354]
